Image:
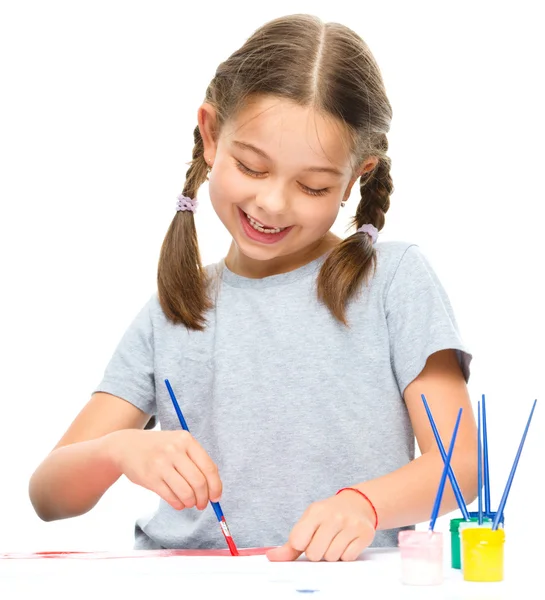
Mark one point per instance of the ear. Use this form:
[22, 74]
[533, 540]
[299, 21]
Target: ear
[368, 165]
[206, 116]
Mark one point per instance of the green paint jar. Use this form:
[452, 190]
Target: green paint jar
[455, 559]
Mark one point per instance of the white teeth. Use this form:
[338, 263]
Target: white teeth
[258, 227]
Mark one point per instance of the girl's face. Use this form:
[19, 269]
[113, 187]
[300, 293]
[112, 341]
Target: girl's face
[279, 174]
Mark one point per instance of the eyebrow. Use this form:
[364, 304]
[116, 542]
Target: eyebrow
[262, 153]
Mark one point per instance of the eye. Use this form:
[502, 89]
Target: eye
[247, 171]
[312, 192]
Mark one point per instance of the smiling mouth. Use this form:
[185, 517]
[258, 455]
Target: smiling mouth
[261, 227]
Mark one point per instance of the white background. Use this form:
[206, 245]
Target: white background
[98, 105]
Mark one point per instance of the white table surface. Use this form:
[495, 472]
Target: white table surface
[377, 572]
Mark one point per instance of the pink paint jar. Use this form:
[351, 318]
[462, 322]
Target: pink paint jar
[421, 557]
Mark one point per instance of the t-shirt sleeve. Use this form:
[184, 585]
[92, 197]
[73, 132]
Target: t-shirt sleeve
[130, 371]
[420, 319]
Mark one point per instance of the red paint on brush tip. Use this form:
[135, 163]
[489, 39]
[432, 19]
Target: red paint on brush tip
[232, 546]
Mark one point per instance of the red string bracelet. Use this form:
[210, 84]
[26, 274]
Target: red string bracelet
[362, 494]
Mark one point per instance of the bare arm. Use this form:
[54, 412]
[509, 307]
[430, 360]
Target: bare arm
[406, 496]
[77, 472]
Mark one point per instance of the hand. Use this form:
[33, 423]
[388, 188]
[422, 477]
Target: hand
[338, 528]
[170, 463]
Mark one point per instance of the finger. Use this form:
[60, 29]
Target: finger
[180, 487]
[304, 529]
[340, 544]
[164, 491]
[354, 549]
[208, 468]
[194, 477]
[284, 553]
[322, 538]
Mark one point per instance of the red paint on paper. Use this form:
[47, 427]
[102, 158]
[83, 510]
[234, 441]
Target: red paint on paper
[74, 554]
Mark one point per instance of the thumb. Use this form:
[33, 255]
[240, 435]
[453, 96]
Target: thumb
[283, 553]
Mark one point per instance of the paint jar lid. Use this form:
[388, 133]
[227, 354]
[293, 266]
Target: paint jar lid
[475, 523]
[411, 538]
[490, 515]
[455, 523]
[483, 535]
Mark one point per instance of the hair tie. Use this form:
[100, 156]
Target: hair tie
[369, 229]
[186, 203]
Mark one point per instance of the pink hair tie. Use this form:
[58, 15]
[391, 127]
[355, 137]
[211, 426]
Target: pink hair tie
[185, 203]
[370, 229]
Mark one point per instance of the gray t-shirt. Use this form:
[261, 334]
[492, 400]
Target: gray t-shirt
[289, 403]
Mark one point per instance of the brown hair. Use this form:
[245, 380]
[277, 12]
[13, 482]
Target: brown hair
[323, 65]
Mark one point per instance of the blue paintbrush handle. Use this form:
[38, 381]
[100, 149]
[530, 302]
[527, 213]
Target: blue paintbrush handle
[485, 460]
[443, 480]
[479, 466]
[217, 509]
[503, 500]
[455, 487]
[215, 505]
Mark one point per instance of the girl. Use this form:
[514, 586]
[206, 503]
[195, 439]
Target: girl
[299, 360]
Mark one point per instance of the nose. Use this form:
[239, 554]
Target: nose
[272, 201]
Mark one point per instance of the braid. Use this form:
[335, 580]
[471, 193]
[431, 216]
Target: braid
[376, 189]
[351, 262]
[196, 175]
[181, 278]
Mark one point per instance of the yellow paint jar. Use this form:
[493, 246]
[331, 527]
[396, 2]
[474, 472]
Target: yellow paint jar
[471, 525]
[482, 554]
